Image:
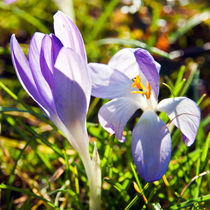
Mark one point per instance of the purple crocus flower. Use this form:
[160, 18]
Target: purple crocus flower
[56, 76]
[131, 79]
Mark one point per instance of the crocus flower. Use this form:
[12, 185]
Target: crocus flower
[131, 79]
[56, 76]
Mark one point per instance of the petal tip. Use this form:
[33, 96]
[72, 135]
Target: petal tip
[60, 14]
[12, 36]
[57, 13]
[12, 40]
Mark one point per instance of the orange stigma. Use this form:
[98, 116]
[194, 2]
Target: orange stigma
[142, 89]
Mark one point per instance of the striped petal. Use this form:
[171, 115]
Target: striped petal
[185, 114]
[149, 68]
[24, 73]
[34, 61]
[69, 34]
[125, 62]
[50, 48]
[151, 146]
[114, 115]
[72, 89]
[107, 82]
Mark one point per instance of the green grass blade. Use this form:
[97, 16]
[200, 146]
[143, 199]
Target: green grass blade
[180, 75]
[192, 22]
[154, 26]
[28, 108]
[12, 174]
[134, 200]
[60, 191]
[26, 16]
[205, 149]
[13, 109]
[71, 193]
[201, 99]
[7, 90]
[180, 81]
[92, 106]
[98, 26]
[134, 43]
[43, 140]
[29, 18]
[189, 203]
[135, 176]
[170, 88]
[67, 171]
[189, 80]
[29, 193]
[76, 180]
[107, 158]
[28, 138]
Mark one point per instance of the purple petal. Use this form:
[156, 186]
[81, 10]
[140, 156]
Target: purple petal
[34, 61]
[23, 72]
[151, 147]
[149, 68]
[9, 1]
[69, 34]
[108, 83]
[72, 89]
[185, 114]
[114, 115]
[125, 61]
[50, 48]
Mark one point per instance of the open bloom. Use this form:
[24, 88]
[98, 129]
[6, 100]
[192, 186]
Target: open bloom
[56, 76]
[131, 80]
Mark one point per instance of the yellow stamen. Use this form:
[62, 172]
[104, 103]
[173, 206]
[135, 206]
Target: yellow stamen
[149, 90]
[137, 82]
[142, 89]
[141, 92]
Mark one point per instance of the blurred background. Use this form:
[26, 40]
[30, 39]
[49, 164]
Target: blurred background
[178, 27]
[176, 32]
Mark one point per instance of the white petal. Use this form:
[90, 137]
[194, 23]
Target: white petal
[107, 82]
[72, 94]
[185, 114]
[114, 115]
[69, 34]
[125, 61]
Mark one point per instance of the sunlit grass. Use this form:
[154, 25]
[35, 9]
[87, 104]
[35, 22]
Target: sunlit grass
[40, 170]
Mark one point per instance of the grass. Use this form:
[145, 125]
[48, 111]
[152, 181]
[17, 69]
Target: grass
[40, 170]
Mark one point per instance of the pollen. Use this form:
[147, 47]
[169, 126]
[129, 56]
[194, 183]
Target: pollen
[142, 89]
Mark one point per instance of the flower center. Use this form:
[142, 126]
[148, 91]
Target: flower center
[142, 89]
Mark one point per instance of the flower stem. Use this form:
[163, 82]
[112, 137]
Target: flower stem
[92, 167]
